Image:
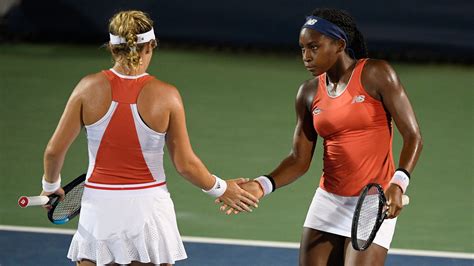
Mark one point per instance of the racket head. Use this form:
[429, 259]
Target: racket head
[62, 212]
[368, 216]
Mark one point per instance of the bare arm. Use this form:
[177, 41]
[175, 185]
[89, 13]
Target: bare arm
[304, 140]
[380, 78]
[182, 155]
[190, 166]
[66, 132]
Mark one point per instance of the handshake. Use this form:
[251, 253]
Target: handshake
[240, 196]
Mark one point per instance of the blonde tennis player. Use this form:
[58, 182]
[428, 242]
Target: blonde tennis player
[127, 215]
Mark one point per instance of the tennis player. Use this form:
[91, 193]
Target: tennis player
[127, 215]
[350, 103]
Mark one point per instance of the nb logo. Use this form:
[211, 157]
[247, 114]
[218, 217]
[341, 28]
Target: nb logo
[358, 99]
[311, 22]
[317, 111]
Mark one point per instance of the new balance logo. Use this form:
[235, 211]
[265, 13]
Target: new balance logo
[311, 22]
[317, 111]
[358, 99]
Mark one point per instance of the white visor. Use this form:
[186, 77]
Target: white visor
[141, 38]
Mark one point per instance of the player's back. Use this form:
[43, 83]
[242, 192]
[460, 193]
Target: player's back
[126, 119]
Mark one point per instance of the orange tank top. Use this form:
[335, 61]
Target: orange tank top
[357, 133]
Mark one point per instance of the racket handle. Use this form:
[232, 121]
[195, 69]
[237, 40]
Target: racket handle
[405, 200]
[32, 201]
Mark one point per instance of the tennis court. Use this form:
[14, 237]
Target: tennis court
[240, 119]
[201, 251]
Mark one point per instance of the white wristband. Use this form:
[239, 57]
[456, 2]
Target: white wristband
[51, 187]
[265, 183]
[218, 189]
[400, 179]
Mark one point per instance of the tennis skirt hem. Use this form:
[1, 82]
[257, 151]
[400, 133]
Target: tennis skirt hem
[117, 227]
[121, 251]
[333, 214]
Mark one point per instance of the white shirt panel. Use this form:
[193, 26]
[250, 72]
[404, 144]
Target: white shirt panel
[152, 144]
[95, 132]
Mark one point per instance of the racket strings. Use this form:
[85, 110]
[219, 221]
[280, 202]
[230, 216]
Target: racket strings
[70, 205]
[368, 217]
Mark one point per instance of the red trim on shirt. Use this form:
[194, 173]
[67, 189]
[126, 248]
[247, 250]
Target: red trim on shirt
[124, 188]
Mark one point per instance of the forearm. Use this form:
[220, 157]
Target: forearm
[289, 170]
[412, 146]
[52, 162]
[195, 172]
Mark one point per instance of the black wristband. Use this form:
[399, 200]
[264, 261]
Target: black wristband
[271, 180]
[405, 171]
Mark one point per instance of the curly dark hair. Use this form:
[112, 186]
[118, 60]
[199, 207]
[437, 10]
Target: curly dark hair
[345, 21]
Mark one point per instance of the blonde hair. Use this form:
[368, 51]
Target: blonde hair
[127, 24]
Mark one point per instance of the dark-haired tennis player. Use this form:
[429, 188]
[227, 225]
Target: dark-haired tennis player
[127, 215]
[350, 103]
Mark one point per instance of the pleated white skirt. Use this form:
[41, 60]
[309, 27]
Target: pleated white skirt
[121, 226]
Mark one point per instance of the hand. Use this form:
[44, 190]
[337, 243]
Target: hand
[252, 187]
[59, 192]
[236, 197]
[394, 200]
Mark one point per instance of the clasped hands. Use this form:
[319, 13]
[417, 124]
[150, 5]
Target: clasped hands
[241, 195]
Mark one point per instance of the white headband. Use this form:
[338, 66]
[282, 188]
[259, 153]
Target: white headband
[141, 38]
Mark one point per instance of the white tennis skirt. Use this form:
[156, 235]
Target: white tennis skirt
[333, 214]
[121, 226]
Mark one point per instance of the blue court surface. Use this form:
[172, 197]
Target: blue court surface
[20, 247]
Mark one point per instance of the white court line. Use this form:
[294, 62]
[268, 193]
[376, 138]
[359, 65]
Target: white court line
[242, 242]
[256, 243]
[37, 229]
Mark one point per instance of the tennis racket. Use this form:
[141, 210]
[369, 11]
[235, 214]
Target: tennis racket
[61, 211]
[371, 210]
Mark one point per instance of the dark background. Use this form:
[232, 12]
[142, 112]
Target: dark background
[239, 97]
[422, 30]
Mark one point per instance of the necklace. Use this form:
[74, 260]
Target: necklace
[333, 89]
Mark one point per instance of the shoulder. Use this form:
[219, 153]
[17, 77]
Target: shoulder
[162, 91]
[310, 84]
[378, 71]
[91, 84]
[93, 79]
[156, 86]
[378, 76]
[306, 92]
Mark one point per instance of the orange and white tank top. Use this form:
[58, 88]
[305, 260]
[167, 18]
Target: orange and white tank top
[124, 153]
[357, 134]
